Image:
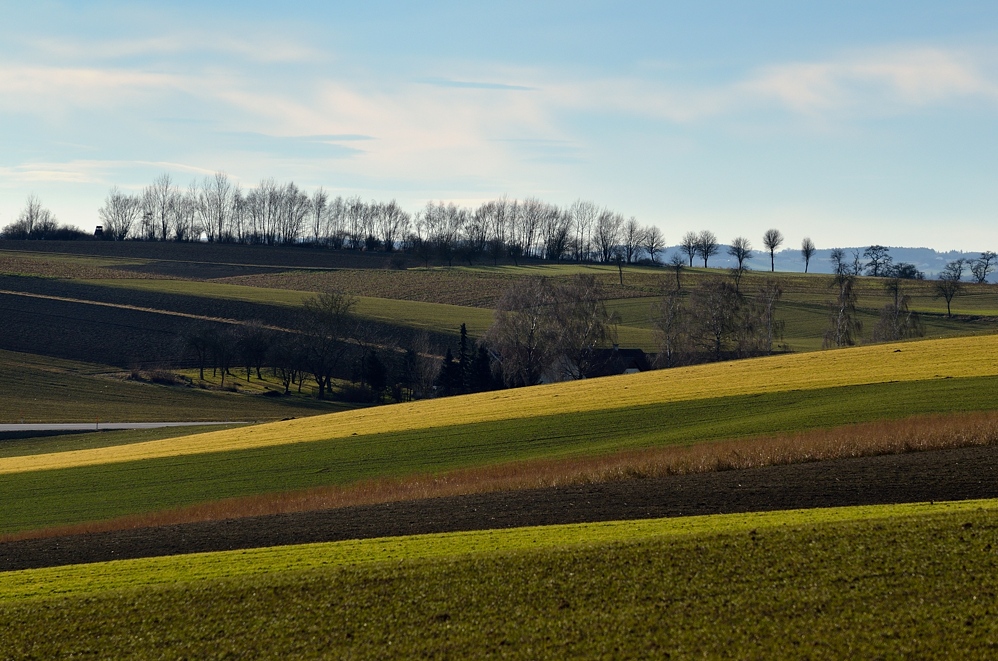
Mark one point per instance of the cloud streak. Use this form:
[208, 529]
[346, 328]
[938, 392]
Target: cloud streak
[873, 83]
[903, 78]
[462, 84]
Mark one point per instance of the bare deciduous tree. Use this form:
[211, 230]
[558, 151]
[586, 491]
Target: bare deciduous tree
[584, 214]
[897, 321]
[772, 239]
[879, 261]
[761, 328]
[807, 251]
[741, 250]
[653, 242]
[688, 246]
[838, 260]
[707, 245]
[677, 263]
[522, 334]
[632, 237]
[556, 228]
[555, 329]
[948, 284]
[392, 224]
[669, 320]
[119, 214]
[584, 326]
[608, 230]
[160, 201]
[215, 206]
[981, 267]
[318, 215]
[327, 323]
[34, 222]
[714, 307]
[844, 326]
[185, 214]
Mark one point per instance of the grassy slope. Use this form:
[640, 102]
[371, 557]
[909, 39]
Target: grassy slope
[911, 361]
[778, 395]
[851, 582]
[39, 389]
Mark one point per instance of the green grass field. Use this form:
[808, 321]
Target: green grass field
[47, 390]
[781, 394]
[874, 582]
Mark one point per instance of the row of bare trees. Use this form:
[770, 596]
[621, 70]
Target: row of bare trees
[37, 222]
[216, 210]
[323, 343]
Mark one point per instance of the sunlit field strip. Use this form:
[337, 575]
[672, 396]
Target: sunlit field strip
[125, 574]
[430, 316]
[913, 361]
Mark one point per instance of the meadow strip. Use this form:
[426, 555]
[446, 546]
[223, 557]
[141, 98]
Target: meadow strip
[76, 580]
[903, 362]
[904, 582]
[915, 434]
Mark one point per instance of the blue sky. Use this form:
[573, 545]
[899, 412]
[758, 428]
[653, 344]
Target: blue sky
[850, 122]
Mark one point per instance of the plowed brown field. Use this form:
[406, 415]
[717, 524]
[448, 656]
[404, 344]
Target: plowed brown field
[960, 474]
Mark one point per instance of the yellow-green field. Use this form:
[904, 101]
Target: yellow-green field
[880, 582]
[911, 361]
[81, 580]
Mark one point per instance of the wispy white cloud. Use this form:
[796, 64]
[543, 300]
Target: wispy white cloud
[86, 171]
[869, 83]
[464, 84]
[902, 78]
[31, 89]
[246, 45]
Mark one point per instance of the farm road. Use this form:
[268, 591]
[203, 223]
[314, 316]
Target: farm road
[104, 426]
[960, 474]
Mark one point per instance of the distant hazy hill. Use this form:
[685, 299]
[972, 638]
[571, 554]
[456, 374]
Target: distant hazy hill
[927, 260]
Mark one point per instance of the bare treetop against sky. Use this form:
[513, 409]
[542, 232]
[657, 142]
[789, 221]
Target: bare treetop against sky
[855, 123]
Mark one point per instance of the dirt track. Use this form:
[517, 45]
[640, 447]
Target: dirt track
[916, 477]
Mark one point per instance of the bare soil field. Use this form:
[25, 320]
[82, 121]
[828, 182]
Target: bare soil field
[212, 253]
[941, 475]
[274, 315]
[468, 287]
[97, 323]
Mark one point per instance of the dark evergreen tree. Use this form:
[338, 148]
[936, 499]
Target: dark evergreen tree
[449, 379]
[464, 359]
[482, 379]
[377, 375]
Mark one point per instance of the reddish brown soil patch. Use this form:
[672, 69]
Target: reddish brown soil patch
[959, 474]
